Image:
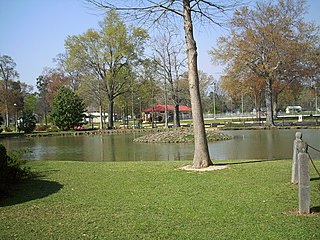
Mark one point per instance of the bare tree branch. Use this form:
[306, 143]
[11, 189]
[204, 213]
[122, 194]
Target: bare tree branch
[155, 11]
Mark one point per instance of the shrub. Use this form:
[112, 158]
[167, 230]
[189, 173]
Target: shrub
[7, 129]
[41, 128]
[12, 169]
[27, 122]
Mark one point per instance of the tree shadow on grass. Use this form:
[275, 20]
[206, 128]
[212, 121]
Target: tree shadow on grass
[250, 161]
[30, 189]
[315, 209]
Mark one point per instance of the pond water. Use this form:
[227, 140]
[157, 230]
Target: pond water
[246, 144]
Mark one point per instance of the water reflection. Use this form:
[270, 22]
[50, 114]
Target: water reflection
[247, 144]
[262, 144]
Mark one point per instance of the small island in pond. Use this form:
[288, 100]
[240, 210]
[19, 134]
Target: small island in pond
[184, 135]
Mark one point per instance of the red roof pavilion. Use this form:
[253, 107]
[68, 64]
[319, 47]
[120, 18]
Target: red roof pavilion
[170, 108]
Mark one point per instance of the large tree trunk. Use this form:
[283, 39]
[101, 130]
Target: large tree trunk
[46, 115]
[101, 116]
[201, 156]
[176, 116]
[166, 125]
[110, 114]
[269, 104]
[175, 99]
[6, 113]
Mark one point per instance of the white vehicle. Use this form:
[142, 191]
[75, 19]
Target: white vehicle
[293, 109]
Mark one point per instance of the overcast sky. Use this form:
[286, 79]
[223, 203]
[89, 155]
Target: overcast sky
[33, 32]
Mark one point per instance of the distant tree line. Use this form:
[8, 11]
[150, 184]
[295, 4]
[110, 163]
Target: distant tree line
[271, 55]
[271, 60]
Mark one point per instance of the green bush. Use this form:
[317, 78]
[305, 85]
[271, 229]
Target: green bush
[27, 122]
[12, 169]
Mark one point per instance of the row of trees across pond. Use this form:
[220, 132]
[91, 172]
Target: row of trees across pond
[102, 71]
[271, 56]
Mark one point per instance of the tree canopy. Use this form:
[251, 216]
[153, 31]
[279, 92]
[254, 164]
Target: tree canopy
[107, 56]
[270, 42]
[8, 73]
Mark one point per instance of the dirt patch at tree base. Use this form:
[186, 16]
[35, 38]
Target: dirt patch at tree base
[210, 168]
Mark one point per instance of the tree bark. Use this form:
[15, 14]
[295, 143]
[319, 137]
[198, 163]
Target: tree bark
[46, 114]
[101, 116]
[269, 104]
[176, 116]
[201, 156]
[110, 114]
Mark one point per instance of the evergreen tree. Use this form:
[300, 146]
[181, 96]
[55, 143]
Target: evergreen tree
[67, 109]
[27, 122]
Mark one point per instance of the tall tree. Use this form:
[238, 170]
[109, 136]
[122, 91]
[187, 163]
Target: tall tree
[272, 42]
[109, 54]
[149, 85]
[168, 55]
[184, 10]
[56, 78]
[15, 97]
[92, 91]
[30, 103]
[71, 75]
[43, 93]
[7, 73]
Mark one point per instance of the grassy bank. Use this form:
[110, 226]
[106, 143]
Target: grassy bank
[154, 200]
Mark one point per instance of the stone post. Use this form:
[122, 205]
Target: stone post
[304, 182]
[294, 176]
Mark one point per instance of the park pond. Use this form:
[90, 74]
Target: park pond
[246, 144]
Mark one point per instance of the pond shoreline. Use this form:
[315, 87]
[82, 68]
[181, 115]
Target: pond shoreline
[78, 133]
[142, 130]
[100, 147]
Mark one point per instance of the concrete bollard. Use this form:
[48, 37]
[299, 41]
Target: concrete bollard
[294, 176]
[301, 172]
[304, 182]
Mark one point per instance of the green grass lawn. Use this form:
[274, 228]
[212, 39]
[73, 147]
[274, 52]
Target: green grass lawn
[154, 200]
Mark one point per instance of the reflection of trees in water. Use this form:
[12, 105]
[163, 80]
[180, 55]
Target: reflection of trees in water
[112, 149]
[247, 144]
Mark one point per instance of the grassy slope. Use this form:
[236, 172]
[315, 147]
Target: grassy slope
[153, 200]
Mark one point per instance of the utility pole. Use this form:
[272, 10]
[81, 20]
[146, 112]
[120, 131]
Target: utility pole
[16, 117]
[316, 93]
